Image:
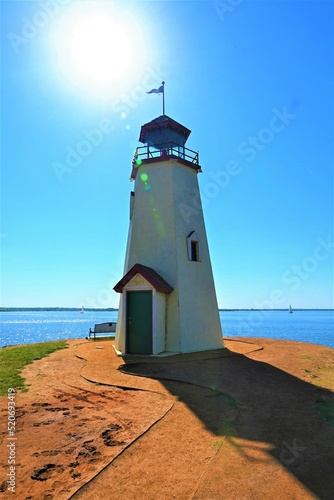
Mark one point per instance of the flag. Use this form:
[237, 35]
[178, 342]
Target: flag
[156, 91]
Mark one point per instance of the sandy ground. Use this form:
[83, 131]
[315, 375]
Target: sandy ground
[255, 421]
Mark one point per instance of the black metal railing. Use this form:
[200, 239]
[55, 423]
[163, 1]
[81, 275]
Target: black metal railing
[164, 150]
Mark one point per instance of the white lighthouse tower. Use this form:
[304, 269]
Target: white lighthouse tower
[168, 301]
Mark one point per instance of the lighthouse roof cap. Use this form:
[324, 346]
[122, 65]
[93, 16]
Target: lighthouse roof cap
[163, 122]
[149, 274]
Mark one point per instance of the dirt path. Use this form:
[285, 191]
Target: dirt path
[257, 423]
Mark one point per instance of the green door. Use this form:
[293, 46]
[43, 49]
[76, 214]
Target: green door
[139, 322]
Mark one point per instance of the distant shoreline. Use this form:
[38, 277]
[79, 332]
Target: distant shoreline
[111, 309]
[54, 309]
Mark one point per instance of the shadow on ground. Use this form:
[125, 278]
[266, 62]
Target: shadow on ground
[266, 405]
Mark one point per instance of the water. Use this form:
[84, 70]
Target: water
[38, 326]
[316, 327]
[29, 327]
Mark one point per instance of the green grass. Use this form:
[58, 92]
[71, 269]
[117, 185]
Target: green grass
[218, 444]
[14, 359]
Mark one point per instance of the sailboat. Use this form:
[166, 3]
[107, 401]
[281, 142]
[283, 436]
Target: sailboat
[290, 309]
[82, 310]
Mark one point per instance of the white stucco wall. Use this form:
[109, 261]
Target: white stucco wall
[157, 238]
[198, 308]
[159, 332]
[120, 327]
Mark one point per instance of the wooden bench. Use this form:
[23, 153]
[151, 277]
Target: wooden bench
[103, 330]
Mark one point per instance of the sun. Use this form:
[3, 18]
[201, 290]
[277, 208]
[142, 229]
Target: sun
[97, 49]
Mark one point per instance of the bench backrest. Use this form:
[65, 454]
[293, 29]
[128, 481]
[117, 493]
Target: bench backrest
[105, 327]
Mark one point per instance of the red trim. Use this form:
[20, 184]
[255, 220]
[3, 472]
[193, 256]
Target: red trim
[149, 274]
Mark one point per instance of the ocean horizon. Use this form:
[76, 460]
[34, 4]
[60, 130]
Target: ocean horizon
[108, 309]
[31, 325]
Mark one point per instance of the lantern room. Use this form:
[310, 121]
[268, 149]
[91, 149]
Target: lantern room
[164, 138]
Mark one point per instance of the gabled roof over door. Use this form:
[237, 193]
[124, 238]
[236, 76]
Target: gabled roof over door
[149, 274]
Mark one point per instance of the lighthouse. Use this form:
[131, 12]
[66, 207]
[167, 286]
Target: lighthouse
[168, 302]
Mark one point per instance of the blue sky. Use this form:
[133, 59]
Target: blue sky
[253, 80]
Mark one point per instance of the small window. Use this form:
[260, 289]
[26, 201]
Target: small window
[132, 202]
[193, 247]
[194, 251]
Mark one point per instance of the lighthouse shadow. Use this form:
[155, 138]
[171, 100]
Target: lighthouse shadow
[238, 399]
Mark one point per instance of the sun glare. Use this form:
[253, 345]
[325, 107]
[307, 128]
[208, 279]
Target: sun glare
[97, 50]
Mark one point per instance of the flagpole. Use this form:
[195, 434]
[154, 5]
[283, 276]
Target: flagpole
[163, 98]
